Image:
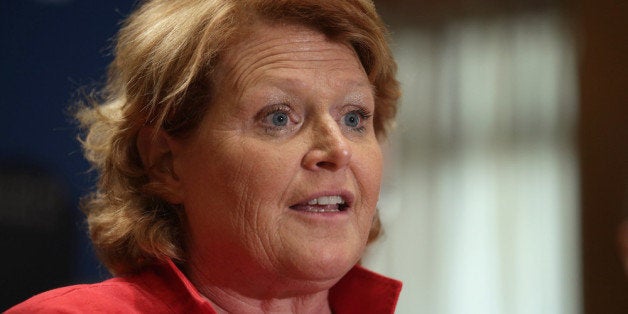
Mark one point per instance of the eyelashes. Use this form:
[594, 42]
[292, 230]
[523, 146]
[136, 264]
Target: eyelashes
[277, 118]
[356, 119]
[280, 118]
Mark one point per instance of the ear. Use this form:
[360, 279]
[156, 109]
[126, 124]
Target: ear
[155, 148]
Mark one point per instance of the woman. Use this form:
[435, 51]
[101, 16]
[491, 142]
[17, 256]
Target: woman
[237, 145]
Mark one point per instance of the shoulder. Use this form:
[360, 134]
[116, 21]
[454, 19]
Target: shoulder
[118, 295]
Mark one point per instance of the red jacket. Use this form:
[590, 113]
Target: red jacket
[164, 289]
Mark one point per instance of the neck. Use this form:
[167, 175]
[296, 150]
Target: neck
[229, 302]
[233, 296]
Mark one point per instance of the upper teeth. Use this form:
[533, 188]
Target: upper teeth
[327, 200]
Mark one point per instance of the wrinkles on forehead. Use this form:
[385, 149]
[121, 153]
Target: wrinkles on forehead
[282, 48]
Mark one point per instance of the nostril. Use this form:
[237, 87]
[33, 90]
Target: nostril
[327, 153]
[325, 165]
[328, 159]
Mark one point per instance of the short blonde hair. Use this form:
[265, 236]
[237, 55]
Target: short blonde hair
[165, 55]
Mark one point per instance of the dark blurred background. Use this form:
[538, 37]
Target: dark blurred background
[51, 49]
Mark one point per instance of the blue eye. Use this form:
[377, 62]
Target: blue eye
[352, 119]
[279, 118]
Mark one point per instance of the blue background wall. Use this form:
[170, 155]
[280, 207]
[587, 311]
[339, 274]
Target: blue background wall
[49, 49]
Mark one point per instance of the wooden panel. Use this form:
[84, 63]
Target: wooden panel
[603, 139]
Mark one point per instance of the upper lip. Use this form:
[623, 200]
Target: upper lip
[346, 196]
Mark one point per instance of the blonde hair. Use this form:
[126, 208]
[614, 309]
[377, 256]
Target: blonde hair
[161, 76]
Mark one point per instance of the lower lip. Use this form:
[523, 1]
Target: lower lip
[317, 211]
[320, 209]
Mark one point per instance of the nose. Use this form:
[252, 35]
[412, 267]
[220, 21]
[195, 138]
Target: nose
[329, 148]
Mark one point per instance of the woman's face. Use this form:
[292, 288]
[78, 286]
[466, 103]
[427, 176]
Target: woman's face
[282, 177]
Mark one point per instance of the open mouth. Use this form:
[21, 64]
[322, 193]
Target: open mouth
[323, 204]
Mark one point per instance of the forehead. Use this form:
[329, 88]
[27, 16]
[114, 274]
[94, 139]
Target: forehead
[283, 50]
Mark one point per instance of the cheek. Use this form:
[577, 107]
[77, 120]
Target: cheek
[368, 165]
[253, 178]
[368, 172]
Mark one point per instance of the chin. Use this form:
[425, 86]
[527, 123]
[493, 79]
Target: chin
[328, 262]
